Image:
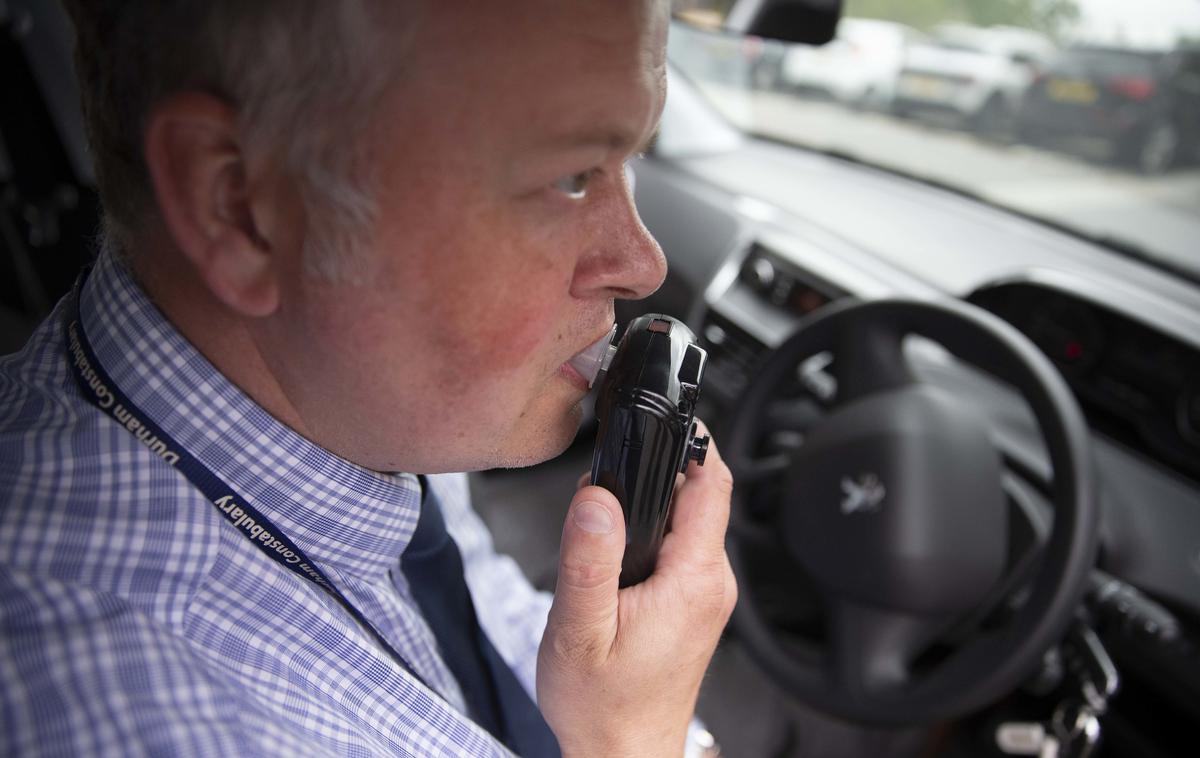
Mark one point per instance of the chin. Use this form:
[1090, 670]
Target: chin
[541, 442]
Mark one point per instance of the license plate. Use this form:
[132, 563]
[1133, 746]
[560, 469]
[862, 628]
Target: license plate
[1071, 91]
[925, 87]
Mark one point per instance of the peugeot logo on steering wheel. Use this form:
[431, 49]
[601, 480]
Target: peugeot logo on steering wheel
[864, 493]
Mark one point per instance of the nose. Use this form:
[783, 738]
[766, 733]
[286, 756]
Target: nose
[623, 259]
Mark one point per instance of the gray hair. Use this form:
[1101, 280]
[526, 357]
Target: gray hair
[303, 75]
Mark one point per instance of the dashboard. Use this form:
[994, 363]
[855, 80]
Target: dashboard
[1136, 384]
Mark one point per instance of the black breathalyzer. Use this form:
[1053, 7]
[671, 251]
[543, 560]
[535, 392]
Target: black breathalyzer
[646, 407]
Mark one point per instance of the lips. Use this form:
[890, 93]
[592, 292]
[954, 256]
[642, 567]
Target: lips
[568, 372]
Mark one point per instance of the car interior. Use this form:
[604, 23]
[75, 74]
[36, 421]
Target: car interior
[956, 375]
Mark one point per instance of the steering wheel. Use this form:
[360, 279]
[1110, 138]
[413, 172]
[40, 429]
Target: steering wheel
[893, 510]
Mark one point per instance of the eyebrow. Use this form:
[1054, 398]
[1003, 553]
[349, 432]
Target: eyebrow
[608, 138]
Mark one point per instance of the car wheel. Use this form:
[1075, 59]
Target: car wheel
[1157, 150]
[765, 76]
[864, 101]
[1028, 135]
[996, 119]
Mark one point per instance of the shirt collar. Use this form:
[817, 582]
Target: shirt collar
[341, 514]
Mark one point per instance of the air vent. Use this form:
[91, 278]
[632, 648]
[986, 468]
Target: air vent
[732, 355]
[783, 284]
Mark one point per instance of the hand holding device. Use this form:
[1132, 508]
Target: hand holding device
[619, 670]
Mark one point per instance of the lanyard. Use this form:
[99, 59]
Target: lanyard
[102, 392]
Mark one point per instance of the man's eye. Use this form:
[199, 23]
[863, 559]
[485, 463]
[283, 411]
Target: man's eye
[574, 186]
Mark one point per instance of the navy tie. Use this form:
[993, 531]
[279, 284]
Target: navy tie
[495, 699]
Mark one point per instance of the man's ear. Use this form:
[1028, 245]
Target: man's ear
[201, 179]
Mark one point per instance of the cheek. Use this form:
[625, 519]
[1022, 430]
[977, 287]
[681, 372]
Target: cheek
[487, 285]
[503, 313]
[507, 326]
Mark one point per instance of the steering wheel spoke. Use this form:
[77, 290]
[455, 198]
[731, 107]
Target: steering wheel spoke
[759, 470]
[868, 359]
[872, 648]
[1030, 521]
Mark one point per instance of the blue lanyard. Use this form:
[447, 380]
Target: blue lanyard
[103, 393]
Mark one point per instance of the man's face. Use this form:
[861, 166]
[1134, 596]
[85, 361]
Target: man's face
[505, 231]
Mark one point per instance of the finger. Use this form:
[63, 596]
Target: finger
[584, 480]
[679, 480]
[584, 612]
[701, 508]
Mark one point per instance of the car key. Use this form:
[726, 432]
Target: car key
[1076, 721]
[646, 408]
[1026, 738]
[1076, 728]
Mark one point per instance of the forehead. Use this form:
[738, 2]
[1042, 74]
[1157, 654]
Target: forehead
[538, 29]
[555, 68]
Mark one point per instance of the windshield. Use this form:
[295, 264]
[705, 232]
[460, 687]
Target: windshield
[1082, 113]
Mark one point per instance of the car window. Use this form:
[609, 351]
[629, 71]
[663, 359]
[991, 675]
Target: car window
[870, 34]
[959, 39]
[1112, 62]
[1062, 110]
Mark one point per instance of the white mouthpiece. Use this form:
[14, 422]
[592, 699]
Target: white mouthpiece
[595, 358]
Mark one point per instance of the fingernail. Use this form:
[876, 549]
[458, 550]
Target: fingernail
[592, 517]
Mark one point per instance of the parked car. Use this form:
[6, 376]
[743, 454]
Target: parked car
[1143, 107]
[975, 76]
[859, 67]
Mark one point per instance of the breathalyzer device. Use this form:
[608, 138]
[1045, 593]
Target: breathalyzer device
[646, 408]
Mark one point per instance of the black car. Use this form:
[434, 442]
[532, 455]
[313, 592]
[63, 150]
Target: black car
[1144, 107]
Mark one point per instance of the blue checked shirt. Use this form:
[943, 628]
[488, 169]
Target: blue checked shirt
[135, 620]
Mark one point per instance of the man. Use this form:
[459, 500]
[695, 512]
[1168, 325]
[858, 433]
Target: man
[343, 240]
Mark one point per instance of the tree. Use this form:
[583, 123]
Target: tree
[1047, 16]
[921, 14]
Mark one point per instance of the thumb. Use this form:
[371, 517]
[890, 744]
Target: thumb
[584, 613]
